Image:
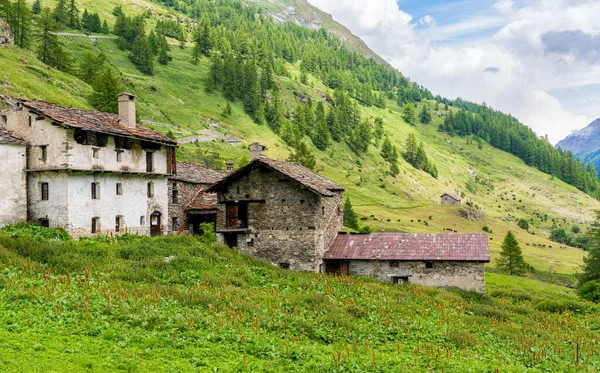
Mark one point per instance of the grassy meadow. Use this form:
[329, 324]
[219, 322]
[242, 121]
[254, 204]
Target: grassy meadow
[182, 304]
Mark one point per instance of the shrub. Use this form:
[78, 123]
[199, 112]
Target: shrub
[590, 291]
[561, 306]
[523, 224]
[462, 338]
[487, 310]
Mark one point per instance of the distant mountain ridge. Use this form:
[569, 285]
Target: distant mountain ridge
[584, 144]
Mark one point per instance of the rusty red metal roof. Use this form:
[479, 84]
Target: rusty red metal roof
[8, 138]
[93, 121]
[197, 174]
[294, 171]
[410, 247]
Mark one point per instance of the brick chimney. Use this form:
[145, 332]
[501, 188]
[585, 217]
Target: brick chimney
[257, 150]
[127, 109]
[229, 166]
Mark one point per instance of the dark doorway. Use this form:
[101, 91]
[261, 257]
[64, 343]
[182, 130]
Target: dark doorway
[231, 239]
[193, 221]
[400, 280]
[339, 267]
[237, 216]
[155, 229]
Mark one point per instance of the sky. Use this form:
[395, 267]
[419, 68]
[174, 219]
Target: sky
[538, 60]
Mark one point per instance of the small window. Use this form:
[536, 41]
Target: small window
[119, 189]
[400, 280]
[323, 210]
[44, 191]
[149, 162]
[339, 210]
[175, 194]
[284, 265]
[118, 223]
[95, 225]
[44, 222]
[150, 190]
[428, 264]
[395, 264]
[30, 121]
[43, 152]
[238, 189]
[142, 221]
[175, 223]
[95, 190]
[96, 153]
[119, 155]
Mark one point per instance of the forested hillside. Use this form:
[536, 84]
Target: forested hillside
[393, 145]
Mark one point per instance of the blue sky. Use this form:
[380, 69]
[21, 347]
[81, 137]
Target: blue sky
[536, 59]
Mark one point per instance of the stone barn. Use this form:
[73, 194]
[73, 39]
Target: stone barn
[90, 172]
[279, 211]
[13, 192]
[450, 199]
[189, 204]
[438, 260]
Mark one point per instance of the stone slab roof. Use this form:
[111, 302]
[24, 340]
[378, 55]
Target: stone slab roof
[453, 196]
[107, 123]
[197, 174]
[7, 138]
[410, 247]
[203, 201]
[294, 171]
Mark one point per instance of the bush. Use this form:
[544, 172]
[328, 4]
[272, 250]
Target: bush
[36, 232]
[462, 338]
[559, 235]
[561, 306]
[523, 224]
[590, 291]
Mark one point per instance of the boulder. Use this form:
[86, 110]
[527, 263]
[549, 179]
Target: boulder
[6, 37]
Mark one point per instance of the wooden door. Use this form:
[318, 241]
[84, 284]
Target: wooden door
[344, 267]
[155, 224]
[232, 216]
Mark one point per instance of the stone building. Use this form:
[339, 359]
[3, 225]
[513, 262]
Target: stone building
[450, 199]
[189, 204]
[13, 193]
[279, 211]
[90, 172]
[438, 260]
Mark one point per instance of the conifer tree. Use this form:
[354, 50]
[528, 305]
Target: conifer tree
[163, 56]
[591, 271]
[141, 55]
[350, 217]
[386, 149]
[215, 74]
[21, 23]
[153, 42]
[91, 66]
[394, 170]
[360, 138]
[229, 77]
[227, 110]
[106, 87]
[511, 259]
[425, 115]
[105, 28]
[72, 15]
[378, 133]
[408, 114]
[36, 8]
[302, 154]
[274, 111]
[50, 50]
[60, 12]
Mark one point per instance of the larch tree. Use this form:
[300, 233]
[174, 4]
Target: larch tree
[50, 50]
[511, 258]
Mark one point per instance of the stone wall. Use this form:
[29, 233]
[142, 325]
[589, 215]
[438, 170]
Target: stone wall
[464, 275]
[287, 223]
[6, 37]
[185, 193]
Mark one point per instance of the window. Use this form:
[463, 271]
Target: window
[339, 210]
[237, 216]
[323, 210]
[95, 225]
[118, 223]
[44, 191]
[175, 223]
[96, 153]
[284, 265]
[149, 161]
[44, 222]
[43, 152]
[95, 190]
[394, 264]
[175, 196]
[400, 280]
[150, 190]
[142, 221]
[119, 155]
[119, 189]
[428, 264]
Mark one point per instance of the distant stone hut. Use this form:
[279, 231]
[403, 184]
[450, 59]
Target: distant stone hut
[438, 260]
[450, 199]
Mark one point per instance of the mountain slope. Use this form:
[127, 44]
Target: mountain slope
[584, 144]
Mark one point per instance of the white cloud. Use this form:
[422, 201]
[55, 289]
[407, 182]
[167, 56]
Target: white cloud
[427, 20]
[512, 69]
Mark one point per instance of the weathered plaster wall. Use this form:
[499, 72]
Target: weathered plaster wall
[463, 275]
[81, 157]
[293, 225]
[55, 208]
[41, 132]
[131, 206]
[13, 191]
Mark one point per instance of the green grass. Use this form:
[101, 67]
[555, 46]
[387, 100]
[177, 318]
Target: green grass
[105, 307]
